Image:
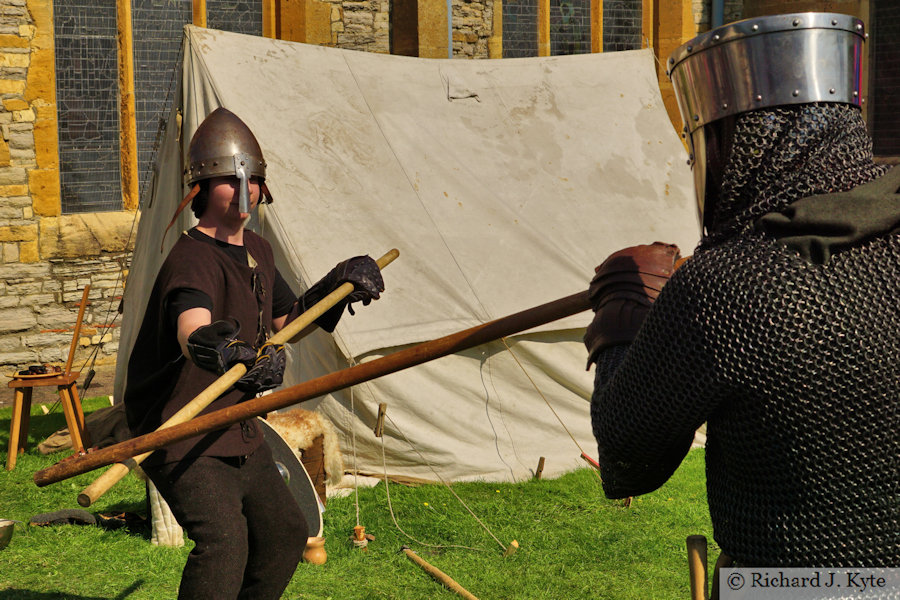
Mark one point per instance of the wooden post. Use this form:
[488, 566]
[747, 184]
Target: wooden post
[540, 468]
[128, 163]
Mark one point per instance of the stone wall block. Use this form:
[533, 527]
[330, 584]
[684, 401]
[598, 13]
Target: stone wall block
[96, 340]
[19, 58]
[21, 357]
[37, 299]
[11, 343]
[28, 252]
[44, 187]
[21, 140]
[56, 317]
[16, 319]
[13, 176]
[354, 18]
[43, 340]
[9, 301]
[54, 355]
[10, 252]
[13, 41]
[22, 288]
[24, 116]
[12, 86]
[23, 158]
[18, 233]
[12, 274]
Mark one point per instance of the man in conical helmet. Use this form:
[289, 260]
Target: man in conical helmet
[216, 299]
[782, 331]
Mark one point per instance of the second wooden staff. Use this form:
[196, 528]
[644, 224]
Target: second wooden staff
[415, 355]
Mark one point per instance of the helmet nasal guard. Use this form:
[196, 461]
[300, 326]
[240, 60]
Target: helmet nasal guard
[763, 62]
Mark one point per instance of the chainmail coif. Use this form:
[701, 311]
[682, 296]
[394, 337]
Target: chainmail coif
[795, 367]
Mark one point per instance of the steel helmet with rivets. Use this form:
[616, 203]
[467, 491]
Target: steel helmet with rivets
[223, 145]
[763, 62]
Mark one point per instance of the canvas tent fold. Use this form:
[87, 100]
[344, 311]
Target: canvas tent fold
[502, 183]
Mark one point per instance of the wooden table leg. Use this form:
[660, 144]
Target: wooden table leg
[18, 435]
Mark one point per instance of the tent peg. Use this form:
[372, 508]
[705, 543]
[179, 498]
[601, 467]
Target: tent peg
[359, 537]
[511, 549]
[379, 422]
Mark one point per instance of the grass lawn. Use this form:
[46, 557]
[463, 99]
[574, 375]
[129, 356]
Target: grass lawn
[574, 543]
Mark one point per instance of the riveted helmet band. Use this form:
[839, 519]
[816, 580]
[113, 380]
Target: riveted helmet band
[763, 62]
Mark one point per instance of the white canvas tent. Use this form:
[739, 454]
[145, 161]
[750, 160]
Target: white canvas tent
[502, 183]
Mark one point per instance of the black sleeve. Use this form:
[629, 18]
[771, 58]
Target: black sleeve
[650, 396]
[283, 297]
[182, 299]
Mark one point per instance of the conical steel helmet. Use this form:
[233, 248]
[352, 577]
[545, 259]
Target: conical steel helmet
[223, 145]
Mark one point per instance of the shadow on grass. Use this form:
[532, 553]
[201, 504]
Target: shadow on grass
[40, 426]
[15, 594]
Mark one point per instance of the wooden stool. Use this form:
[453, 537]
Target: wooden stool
[65, 383]
[68, 396]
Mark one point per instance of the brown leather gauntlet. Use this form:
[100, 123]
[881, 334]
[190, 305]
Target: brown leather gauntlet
[624, 287]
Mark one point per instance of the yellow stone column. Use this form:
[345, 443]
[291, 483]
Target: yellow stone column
[675, 25]
[433, 39]
[128, 152]
[597, 24]
[543, 27]
[39, 92]
[199, 12]
[495, 43]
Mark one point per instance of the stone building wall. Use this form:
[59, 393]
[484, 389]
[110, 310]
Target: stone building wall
[361, 25]
[365, 25]
[47, 258]
[702, 10]
[472, 25]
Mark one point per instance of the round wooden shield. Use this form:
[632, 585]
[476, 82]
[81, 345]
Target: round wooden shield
[296, 478]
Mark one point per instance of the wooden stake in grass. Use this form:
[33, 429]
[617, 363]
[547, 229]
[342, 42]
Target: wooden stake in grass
[439, 575]
[696, 551]
[540, 468]
[511, 549]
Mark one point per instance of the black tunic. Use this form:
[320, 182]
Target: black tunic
[161, 380]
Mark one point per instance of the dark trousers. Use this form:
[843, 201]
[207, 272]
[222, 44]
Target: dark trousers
[248, 531]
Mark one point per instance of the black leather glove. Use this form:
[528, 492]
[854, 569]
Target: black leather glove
[362, 272]
[266, 372]
[215, 347]
[624, 287]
